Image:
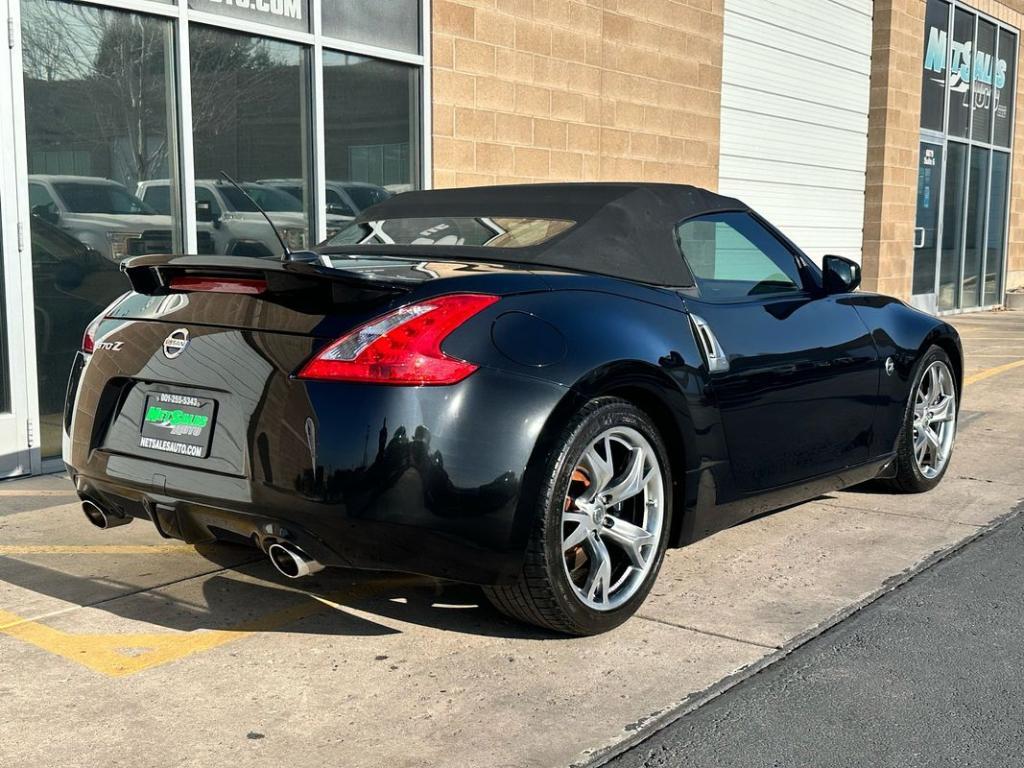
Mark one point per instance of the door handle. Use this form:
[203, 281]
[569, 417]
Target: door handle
[713, 352]
[920, 235]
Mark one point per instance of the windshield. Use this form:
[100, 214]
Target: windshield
[269, 198]
[101, 198]
[481, 232]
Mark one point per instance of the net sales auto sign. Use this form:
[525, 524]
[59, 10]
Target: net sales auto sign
[291, 14]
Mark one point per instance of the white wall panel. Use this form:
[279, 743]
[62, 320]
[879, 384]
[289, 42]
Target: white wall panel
[795, 89]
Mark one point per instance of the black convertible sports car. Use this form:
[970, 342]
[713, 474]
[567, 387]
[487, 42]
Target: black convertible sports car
[537, 389]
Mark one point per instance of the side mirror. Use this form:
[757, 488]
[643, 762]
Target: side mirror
[47, 213]
[205, 214]
[840, 275]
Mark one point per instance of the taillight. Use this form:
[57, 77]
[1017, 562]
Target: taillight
[401, 347]
[89, 337]
[218, 285]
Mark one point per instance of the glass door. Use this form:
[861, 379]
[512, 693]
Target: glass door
[14, 415]
[926, 230]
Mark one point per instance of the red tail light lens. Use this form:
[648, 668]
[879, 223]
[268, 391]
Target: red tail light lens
[401, 347]
[218, 285]
[89, 337]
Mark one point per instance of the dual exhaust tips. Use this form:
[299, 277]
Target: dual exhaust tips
[287, 559]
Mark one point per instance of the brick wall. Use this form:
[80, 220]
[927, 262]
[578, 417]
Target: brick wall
[894, 125]
[566, 90]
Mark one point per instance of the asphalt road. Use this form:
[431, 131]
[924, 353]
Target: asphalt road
[930, 675]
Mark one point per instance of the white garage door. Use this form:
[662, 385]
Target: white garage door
[795, 88]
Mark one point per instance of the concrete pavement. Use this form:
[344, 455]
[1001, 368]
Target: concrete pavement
[120, 648]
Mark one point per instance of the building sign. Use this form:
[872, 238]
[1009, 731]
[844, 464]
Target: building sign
[291, 14]
[970, 72]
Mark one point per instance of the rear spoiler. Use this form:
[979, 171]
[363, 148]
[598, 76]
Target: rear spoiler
[153, 276]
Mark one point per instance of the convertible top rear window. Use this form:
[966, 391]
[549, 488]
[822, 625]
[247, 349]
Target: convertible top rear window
[479, 232]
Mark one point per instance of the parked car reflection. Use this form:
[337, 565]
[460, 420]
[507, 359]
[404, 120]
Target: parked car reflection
[344, 198]
[72, 284]
[239, 229]
[103, 216]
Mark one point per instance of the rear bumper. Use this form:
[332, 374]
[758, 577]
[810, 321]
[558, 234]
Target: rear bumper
[330, 539]
[419, 480]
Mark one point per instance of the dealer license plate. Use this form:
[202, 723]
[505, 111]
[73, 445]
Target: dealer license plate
[178, 424]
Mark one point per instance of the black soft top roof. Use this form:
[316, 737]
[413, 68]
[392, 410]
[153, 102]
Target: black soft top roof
[622, 230]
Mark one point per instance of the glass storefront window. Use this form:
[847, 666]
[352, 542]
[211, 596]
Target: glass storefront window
[984, 81]
[973, 70]
[933, 83]
[250, 118]
[372, 135]
[996, 228]
[391, 24]
[1005, 82]
[960, 73]
[974, 245]
[289, 14]
[99, 103]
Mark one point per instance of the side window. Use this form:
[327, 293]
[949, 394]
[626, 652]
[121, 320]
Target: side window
[732, 256]
[203, 195]
[158, 197]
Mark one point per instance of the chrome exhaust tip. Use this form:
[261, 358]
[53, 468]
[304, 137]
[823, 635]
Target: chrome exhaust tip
[102, 519]
[292, 562]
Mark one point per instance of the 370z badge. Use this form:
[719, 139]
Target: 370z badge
[175, 343]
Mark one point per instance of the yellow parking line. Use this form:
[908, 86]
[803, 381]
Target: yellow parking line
[7, 550]
[118, 655]
[990, 372]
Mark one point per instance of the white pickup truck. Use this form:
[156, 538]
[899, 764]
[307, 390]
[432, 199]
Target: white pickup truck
[104, 216]
[238, 228]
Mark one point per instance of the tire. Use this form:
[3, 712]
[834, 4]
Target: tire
[911, 476]
[546, 593]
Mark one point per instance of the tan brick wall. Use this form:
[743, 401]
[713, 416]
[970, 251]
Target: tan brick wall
[894, 125]
[893, 145]
[567, 90]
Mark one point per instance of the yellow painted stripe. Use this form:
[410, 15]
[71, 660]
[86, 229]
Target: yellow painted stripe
[8, 550]
[118, 655]
[990, 372]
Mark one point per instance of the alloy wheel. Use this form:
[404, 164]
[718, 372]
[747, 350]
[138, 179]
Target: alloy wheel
[612, 518]
[934, 419]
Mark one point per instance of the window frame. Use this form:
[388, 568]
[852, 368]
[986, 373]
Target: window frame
[807, 272]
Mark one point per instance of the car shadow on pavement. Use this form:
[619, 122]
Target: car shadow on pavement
[250, 596]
